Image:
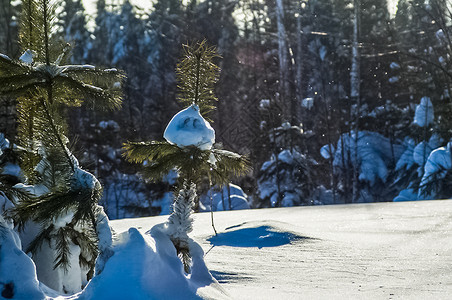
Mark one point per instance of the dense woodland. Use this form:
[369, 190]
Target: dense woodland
[324, 97]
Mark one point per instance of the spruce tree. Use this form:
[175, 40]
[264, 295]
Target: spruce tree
[66, 204]
[197, 75]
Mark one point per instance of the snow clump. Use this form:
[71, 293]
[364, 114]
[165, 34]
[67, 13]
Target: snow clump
[424, 113]
[232, 198]
[189, 128]
[27, 57]
[17, 270]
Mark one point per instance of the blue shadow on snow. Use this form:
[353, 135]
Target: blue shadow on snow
[263, 236]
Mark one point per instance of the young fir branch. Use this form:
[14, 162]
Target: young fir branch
[41, 209]
[63, 237]
[41, 90]
[191, 162]
[63, 249]
[197, 75]
[30, 30]
[71, 85]
[48, 208]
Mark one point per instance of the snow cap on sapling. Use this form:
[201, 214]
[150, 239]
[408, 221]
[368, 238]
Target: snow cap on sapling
[189, 128]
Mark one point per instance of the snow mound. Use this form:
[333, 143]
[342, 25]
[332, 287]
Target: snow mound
[18, 278]
[237, 203]
[146, 266]
[189, 128]
[260, 237]
[222, 200]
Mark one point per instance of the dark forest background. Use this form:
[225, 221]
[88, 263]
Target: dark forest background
[297, 77]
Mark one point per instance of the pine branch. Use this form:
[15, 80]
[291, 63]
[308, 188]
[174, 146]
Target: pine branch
[191, 162]
[9, 67]
[63, 249]
[197, 75]
[31, 27]
[88, 74]
[57, 203]
[138, 152]
[87, 241]
[13, 194]
[56, 132]
[73, 91]
[229, 164]
[18, 82]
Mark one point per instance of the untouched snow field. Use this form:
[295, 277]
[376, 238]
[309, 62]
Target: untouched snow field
[362, 251]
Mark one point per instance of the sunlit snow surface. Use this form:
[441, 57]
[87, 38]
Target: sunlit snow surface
[363, 251]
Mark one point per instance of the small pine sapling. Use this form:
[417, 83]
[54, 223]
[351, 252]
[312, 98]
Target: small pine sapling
[44, 87]
[189, 144]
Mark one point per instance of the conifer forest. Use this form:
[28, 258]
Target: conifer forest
[111, 110]
[330, 101]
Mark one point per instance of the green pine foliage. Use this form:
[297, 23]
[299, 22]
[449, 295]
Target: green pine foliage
[44, 88]
[197, 74]
[31, 27]
[192, 163]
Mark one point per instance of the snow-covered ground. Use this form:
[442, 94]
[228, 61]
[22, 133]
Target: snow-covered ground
[362, 251]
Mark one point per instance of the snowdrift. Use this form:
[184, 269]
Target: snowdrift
[142, 266]
[18, 278]
[146, 266]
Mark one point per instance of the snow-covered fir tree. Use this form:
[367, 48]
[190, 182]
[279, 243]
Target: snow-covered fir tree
[189, 146]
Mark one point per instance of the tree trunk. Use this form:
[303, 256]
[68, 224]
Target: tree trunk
[296, 103]
[355, 78]
[283, 61]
